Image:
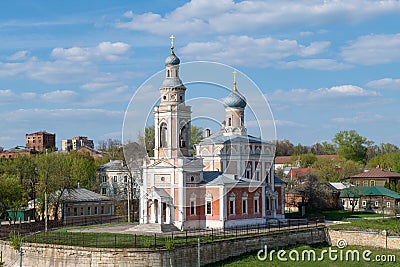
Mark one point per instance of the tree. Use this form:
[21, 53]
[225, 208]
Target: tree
[196, 135]
[335, 170]
[351, 145]
[313, 193]
[10, 193]
[284, 148]
[329, 149]
[389, 161]
[303, 160]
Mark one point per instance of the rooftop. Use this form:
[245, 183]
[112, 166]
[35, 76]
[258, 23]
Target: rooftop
[357, 191]
[377, 173]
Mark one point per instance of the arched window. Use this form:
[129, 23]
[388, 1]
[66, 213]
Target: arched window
[182, 137]
[168, 73]
[230, 122]
[163, 135]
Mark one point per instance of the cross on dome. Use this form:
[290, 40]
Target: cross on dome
[172, 37]
[234, 81]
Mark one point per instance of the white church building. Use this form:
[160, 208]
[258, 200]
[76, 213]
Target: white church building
[231, 180]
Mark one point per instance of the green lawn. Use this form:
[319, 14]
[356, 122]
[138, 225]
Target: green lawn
[251, 259]
[334, 215]
[391, 225]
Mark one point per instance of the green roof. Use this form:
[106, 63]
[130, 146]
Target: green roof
[357, 191]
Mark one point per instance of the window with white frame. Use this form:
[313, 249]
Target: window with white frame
[258, 172]
[372, 183]
[208, 201]
[104, 191]
[388, 204]
[364, 203]
[248, 170]
[104, 179]
[256, 202]
[89, 210]
[376, 204]
[244, 202]
[365, 183]
[232, 204]
[115, 179]
[193, 204]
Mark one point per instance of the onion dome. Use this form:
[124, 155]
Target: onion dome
[172, 59]
[235, 100]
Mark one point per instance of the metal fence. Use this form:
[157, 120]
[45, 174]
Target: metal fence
[171, 239]
[25, 228]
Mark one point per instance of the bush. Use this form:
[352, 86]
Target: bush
[15, 240]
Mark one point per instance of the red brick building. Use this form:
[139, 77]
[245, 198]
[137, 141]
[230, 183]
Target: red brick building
[40, 140]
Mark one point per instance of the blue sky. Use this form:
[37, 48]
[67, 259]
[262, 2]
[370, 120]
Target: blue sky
[71, 67]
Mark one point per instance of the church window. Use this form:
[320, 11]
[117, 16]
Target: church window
[256, 202]
[168, 73]
[163, 135]
[208, 207]
[230, 122]
[232, 204]
[267, 203]
[165, 97]
[244, 203]
[183, 137]
[163, 179]
[192, 178]
[248, 170]
[208, 200]
[192, 208]
[181, 97]
[192, 204]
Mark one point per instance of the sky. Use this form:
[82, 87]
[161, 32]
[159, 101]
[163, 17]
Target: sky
[72, 67]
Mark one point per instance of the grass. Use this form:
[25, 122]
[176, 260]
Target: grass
[334, 215]
[250, 259]
[114, 240]
[391, 225]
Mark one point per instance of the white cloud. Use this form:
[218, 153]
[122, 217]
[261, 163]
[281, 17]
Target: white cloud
[18, 55]
[386, 83]
[250, 51]
[321, 96]
[359, 118]
[316, 64]
[104, 51]
[208, 17]
[373, 49]
[62, 96]
[343, 90]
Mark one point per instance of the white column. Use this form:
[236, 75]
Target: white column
[222, 204]
[153, 210]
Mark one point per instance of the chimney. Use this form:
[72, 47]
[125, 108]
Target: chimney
[208, 133]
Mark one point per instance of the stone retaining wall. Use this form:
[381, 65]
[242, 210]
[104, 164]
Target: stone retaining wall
[35, 255]
[372, 239]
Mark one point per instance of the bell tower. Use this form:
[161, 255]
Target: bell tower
[172, 116]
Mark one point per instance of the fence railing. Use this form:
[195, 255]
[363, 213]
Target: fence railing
[25, 228]
[171, 239]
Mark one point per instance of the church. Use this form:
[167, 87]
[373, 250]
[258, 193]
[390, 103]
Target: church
[230, 182]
